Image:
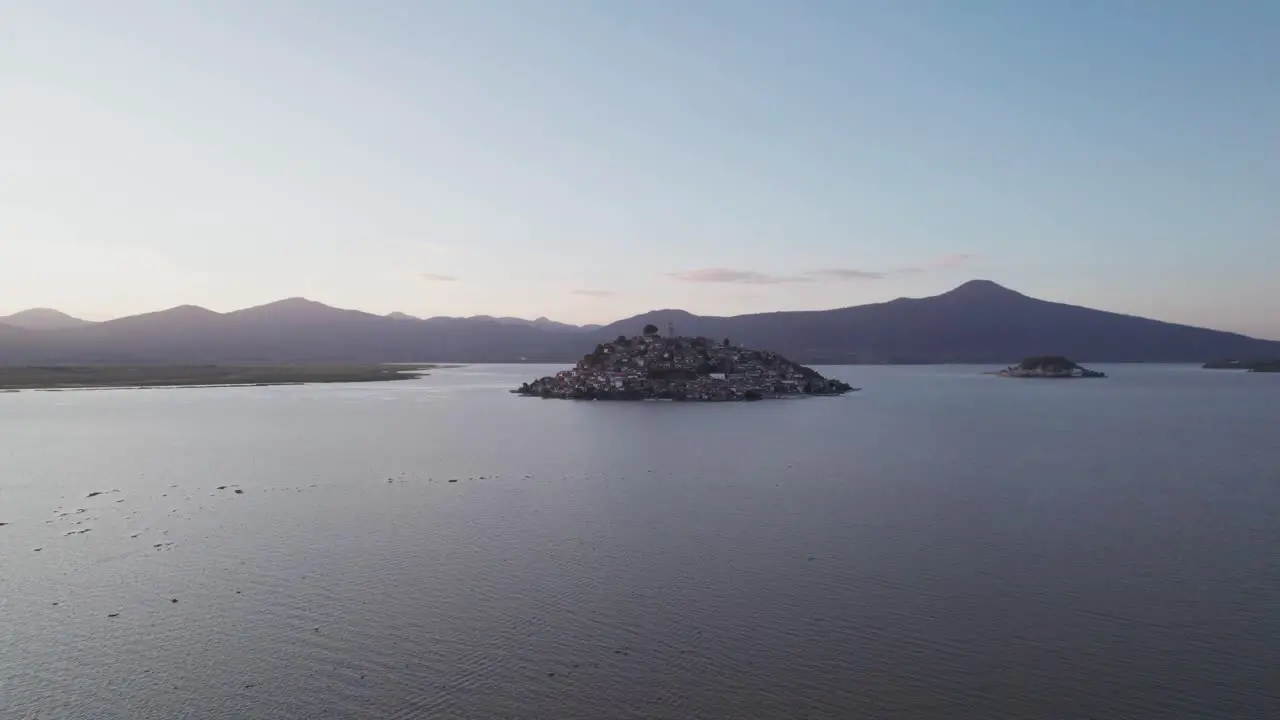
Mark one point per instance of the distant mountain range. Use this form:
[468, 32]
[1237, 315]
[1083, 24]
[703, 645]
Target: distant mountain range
[542, 322]
[43, 319]
[978, 322]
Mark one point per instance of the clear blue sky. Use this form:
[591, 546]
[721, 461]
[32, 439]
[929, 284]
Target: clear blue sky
[586, 159]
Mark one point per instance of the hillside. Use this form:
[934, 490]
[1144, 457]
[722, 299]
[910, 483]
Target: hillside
[978, 322]
[42, 319]
[293, 330]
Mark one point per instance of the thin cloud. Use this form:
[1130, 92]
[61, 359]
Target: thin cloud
[591, 293]
[436, 277]
[841, 274]
[950, 261]
[438, 249]
[846, 274]
[737, 277]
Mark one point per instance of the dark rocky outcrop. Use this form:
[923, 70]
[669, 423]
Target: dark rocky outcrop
[681, 368]
[1049, 366]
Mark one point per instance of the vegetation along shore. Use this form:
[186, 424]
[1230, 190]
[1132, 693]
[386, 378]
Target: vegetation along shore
[84, 377]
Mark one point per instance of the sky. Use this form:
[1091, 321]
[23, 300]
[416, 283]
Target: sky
[590, 159]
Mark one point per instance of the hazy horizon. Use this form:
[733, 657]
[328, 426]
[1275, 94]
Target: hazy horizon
[604, 322]
[587, 162]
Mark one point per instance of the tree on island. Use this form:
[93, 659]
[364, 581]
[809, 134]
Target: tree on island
[1052, 363]
[650, 329]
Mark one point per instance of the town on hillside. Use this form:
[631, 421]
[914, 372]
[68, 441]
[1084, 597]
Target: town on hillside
[651, 366]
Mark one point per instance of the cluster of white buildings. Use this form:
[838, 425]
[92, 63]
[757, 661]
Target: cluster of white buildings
[681, 368]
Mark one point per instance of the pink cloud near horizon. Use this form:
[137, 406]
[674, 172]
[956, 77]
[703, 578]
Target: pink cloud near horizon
[740, 277]
[847, 274]
[751, 277]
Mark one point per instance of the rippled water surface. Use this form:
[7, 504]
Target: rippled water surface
[941, 545]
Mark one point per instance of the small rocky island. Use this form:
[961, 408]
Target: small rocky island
[1048, 366]
[652, 367]
[1259, 366]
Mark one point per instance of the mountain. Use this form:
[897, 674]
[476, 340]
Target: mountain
[542, 322]
[978, 322]
[291, 330]
[549, 324]
[43, 319]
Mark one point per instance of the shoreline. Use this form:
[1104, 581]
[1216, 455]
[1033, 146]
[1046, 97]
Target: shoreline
[58, 378]
[763, 397]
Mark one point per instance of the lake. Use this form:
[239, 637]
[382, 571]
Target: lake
[943, 544]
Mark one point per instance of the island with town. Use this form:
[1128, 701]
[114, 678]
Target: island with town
[1254, 366]
[656, 367]
[1048, 366]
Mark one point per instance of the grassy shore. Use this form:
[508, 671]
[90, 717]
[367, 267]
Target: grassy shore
[72, 377]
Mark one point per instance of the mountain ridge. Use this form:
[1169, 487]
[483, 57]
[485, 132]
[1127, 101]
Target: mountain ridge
[43, 319]
[977, 322]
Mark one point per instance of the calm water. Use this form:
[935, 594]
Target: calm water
[941, 545]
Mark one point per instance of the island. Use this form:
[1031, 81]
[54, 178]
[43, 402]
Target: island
[1048, 366]
[1259, 366]
[654, 367]
[93, 377]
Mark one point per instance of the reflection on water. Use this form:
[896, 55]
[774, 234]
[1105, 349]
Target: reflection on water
[941, 545]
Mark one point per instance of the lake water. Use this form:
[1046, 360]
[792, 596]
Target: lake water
[943, 544]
